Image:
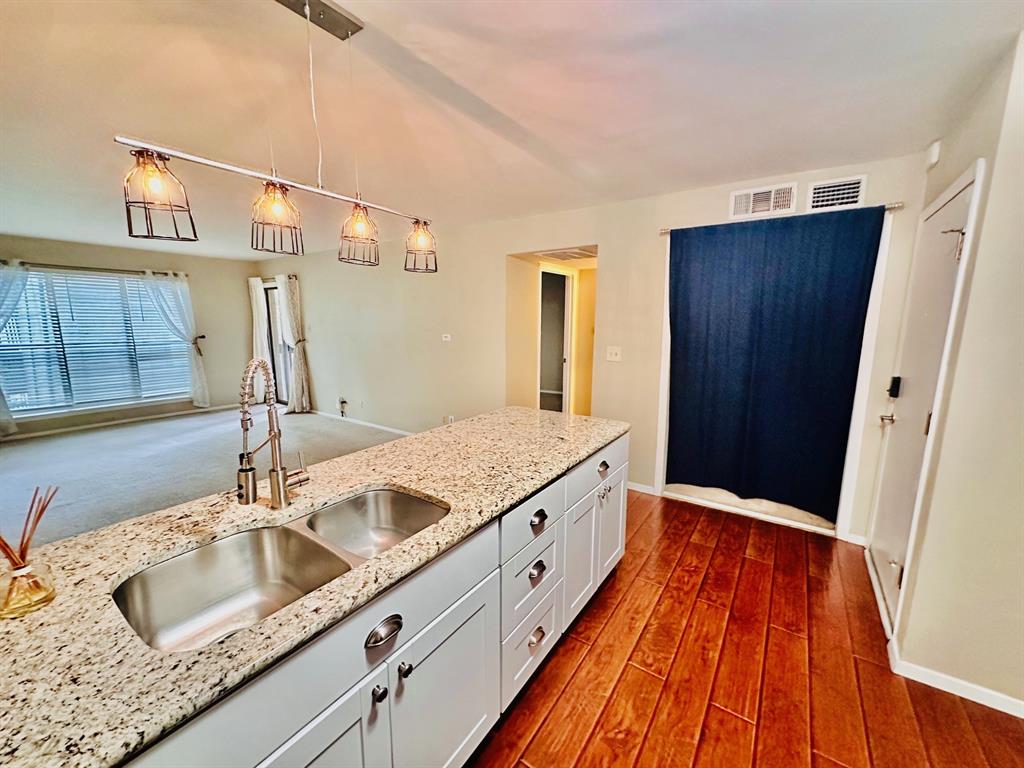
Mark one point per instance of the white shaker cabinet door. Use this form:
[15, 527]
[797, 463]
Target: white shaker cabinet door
[446, 682]
[580, 560]
[611, 516]
[354, 732]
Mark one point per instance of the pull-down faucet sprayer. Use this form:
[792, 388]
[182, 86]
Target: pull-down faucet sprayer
[280, 478]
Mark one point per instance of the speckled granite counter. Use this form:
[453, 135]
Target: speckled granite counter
[79, 688]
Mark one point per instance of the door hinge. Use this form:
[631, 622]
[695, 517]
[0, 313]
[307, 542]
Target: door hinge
[899, 573]
[928, 423]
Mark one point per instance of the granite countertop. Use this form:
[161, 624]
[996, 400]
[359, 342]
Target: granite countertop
[80, 688]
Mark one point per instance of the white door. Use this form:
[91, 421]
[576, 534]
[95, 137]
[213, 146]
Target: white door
[354, 732]
[446, 683]
[933, 279]
[580, 561]
[611, 516]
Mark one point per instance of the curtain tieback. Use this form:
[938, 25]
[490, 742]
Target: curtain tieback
[195, 343]
[299, 341]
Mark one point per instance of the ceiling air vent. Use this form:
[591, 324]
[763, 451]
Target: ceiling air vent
[765, 201]
[836, 193]
[570, 254]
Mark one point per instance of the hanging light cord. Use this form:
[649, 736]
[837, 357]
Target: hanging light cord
[312, 102]
[352, 96]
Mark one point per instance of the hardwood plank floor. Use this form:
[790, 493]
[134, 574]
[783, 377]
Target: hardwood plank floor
[721, 642]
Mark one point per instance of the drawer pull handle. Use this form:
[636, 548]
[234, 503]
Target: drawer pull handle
[379, 693]
[405, 669]
[603, 467]
[538, 570]
[384, 631]
[535, 637]
[538, 518]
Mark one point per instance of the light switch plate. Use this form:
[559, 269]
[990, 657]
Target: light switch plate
[613, 354]
[446, 337]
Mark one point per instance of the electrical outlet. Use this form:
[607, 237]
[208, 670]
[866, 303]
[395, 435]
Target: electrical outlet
[448, 420]
[446, 337]
[342, 405]
[613, 354]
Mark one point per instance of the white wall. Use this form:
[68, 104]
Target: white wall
[964, 597]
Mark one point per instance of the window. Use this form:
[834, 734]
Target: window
[82, 339]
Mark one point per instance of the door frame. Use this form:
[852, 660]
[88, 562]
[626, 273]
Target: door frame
[568, 331]
[858, 418]
[976, 175]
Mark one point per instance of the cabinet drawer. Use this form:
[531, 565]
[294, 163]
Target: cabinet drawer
[254, 721]
[533, 517]
[587, 475]
[528, 577]
[527, 646]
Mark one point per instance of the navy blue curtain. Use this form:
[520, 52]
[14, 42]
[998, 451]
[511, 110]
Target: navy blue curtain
[767, 319]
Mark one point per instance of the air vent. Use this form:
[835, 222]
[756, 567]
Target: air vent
[569, 254]
[766, 201]
[836, 193]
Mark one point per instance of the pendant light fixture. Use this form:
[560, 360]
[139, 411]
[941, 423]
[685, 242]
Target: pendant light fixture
[155, 201]
[360, 243]
[420, 248]
[276, 222]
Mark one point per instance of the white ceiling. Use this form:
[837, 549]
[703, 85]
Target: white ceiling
[467, 110]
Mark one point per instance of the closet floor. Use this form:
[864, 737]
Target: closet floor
[728, 642]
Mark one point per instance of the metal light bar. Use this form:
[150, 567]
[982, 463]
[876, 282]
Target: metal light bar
[199, 160]
[888, 207]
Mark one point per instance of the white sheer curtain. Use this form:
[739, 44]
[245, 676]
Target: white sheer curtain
[173, 301]
[260, 331]
[13, 278]
[294, 335]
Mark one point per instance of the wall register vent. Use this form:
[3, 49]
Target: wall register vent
[836, 193]
[764, 201]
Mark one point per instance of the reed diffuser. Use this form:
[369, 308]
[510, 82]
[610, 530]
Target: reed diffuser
[26, 587]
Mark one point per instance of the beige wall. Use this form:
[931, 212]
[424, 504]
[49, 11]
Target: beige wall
[583, 360]
[220, 301]
[374, 334]
[964, 612]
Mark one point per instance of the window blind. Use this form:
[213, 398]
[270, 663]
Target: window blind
[84, 339]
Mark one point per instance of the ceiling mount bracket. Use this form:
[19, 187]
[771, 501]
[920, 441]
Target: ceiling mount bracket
[326, 15]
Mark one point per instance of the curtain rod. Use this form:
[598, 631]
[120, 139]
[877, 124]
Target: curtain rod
[200, 160]
[888, 206]
[108, 270]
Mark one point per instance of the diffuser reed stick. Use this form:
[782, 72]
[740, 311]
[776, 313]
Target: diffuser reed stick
[28, 586]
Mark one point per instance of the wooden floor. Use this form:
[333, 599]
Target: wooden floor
[722, 641]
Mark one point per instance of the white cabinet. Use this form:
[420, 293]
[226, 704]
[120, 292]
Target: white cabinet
[611, 522]
[446, 682]
[354, 732]
[580, 563]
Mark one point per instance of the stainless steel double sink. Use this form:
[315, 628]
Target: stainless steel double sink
[208, 593]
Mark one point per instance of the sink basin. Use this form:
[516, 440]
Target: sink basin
[367, 524]
[206, 594]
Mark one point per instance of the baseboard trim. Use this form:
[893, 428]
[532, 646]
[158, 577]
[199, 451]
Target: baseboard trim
[749, 513]
[954, 685]
[362, 423]
[876, 587]
[115, 422]
[641, 488]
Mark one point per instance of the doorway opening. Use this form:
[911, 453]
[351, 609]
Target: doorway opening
[549, 345]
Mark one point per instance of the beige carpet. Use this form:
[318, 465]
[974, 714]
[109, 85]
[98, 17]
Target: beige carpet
[107, 474]
[763, 506]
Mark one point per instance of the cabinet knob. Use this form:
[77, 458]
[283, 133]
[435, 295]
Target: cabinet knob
[384, 631]
[405, 669]
[603, 467]
[535, 637]
[379, 693]
[538, 518]
[538, 570]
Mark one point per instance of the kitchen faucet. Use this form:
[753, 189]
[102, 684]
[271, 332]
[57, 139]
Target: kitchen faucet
[280, 478]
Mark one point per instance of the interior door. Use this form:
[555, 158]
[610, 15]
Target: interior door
[555, 335]
[933, 280]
